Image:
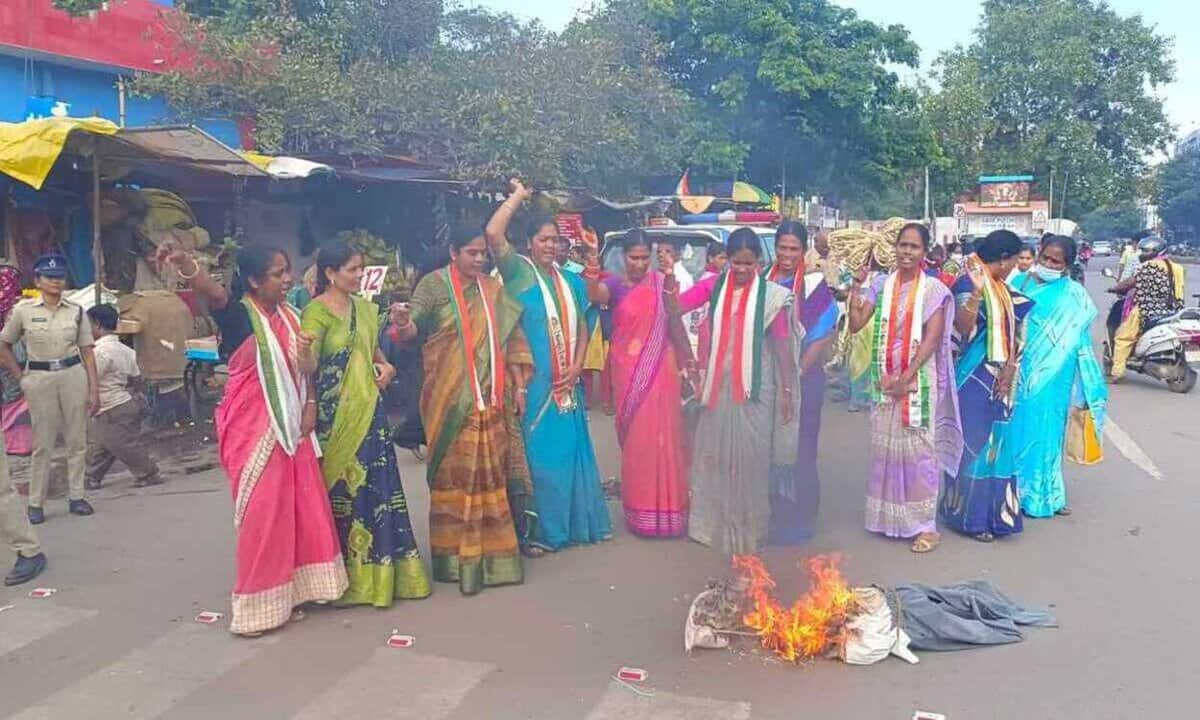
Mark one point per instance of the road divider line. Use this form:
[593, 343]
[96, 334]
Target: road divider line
[411, 686]
[1130, 449]
[150, 680]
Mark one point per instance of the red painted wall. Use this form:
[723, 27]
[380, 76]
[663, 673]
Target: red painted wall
[129, 34]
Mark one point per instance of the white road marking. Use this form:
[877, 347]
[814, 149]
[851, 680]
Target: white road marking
[32, 620]
[1130, 449]
[619, 703]
[150, 680]
[408, 684]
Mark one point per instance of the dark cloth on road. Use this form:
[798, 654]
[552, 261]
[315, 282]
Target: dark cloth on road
[964, 615]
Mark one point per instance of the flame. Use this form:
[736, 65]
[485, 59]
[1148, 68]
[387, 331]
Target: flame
[814, 622]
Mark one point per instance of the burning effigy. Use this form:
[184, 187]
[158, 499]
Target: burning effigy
[831, 619]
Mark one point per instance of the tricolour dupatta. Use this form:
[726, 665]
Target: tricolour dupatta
[462, 315]
[916, 409]
[562, 320]
[743, 328]
[285, 392]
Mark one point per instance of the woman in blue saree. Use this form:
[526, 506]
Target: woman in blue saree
[567, 494]
[1059, 371]
[982, 499]
[795, 485]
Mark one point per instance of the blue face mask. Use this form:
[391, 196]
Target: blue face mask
[1047, 274]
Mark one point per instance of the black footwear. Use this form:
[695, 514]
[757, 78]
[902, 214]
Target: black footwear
[91, 484]
[81, 507]
[148, 482]
[36, 515]
[26, 569]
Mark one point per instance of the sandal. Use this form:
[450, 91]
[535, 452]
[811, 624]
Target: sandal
[985, 537]
[926, 542]
[297, 615]
[1064, 511]
[532, 551]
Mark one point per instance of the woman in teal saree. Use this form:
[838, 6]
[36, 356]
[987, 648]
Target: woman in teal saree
[569, 500]
[1059, 372]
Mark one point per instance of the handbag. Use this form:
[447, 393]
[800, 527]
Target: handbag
[1083, 442]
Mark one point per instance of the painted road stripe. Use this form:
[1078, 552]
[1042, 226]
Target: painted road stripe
[151, 680]
[406, 683]
[31, 620]
[621, 703]
[1130, 449]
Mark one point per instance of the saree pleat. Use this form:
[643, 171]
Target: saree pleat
[361, 473]
[568, 497]
[654, 490]
[471, 529]
[907, 462]
[983, 497]
[287, 545]
[1059, 371]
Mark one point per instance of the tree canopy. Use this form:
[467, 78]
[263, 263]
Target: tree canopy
[798, 91]
[1179, 195]
[798, 87]
[1054, 87]
[1110, 222]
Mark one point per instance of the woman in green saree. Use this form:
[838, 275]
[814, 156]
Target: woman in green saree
[359, 463]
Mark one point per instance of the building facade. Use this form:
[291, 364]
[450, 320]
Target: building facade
[52, 63]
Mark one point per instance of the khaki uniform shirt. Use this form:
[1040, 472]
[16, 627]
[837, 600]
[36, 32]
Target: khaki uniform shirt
[48, 334]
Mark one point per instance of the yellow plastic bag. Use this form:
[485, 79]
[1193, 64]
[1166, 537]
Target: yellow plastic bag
[1083, 443]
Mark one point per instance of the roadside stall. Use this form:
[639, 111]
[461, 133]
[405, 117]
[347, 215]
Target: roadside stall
[107, 198]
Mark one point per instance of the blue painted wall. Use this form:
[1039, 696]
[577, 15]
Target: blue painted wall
[89, 93]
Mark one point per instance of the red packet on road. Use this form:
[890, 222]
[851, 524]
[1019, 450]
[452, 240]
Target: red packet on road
[42, 592]
[208, 618]
[632, 674]
[401, 641]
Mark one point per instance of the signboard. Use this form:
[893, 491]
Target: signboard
[1004, 193]
[570, 228]
[372, 280]
[828, 217]
[1039, 220]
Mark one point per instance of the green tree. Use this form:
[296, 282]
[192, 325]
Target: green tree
[1062, 87]
[1179, 195]
[801, 88]
[1110, 222]
[480, 93]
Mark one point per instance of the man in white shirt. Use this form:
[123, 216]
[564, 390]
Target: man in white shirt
[115, 428]
[1129, 262]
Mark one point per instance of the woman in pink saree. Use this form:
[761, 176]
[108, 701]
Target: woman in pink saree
[287, 547]
[645, 370]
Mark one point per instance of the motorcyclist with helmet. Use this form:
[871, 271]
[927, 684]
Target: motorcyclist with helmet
[1155, 291]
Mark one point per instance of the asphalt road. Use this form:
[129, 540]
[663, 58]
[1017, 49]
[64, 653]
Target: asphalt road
[118, 639]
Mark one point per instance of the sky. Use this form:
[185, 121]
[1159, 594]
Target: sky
[937, 25]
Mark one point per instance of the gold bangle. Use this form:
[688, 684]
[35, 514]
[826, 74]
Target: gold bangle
[195, 272]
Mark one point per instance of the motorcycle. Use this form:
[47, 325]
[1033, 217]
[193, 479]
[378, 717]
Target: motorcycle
[1168, 349]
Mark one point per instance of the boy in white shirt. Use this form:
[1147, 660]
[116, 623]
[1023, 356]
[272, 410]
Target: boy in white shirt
[115, 430]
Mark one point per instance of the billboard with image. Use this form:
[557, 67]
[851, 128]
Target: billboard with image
[1004, 190]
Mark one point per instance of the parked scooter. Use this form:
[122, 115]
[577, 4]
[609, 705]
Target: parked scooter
[1168, 350]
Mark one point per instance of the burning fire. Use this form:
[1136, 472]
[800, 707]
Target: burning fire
[814, 622]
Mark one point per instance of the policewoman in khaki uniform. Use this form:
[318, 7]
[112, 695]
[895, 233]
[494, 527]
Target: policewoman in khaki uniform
[59, 380]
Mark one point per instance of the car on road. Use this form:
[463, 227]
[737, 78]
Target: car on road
[1103, 248]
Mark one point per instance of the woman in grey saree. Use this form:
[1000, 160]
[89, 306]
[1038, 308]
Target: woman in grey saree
[749, 370]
